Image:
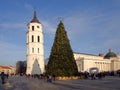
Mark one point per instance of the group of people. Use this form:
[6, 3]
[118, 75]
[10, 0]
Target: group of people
[49, 78]
[93, 75]
[99, 75]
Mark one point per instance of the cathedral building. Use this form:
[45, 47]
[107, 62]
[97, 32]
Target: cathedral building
[97, 63]
[35, 47]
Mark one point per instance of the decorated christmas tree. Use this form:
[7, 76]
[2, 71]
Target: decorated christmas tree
[61, 61]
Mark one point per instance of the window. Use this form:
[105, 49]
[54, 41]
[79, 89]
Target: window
[32, 38]
[38, 38]
[38, 50]
[32, 28]
[38, 27]
[32, 50]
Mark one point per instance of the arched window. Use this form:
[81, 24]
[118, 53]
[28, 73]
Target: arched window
[32, 38]
[38, 38]
[32, 50]
[38, 50]
[32, 28]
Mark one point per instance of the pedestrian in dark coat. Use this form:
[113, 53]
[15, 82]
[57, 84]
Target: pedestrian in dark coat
[3, 77]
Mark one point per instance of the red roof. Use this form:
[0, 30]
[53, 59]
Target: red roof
[6, 67]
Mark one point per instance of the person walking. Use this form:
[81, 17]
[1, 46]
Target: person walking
[3, 77]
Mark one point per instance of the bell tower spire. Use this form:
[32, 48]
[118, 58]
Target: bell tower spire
[35, 47]
[35, 14]
[35, 18]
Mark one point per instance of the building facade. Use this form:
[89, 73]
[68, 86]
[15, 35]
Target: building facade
[86, 62]
[35, 47]
[10, 70]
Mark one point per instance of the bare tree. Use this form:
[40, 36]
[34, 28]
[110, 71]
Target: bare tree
[20, 67]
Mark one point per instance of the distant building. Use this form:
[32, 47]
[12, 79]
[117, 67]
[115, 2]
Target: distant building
[7, 69]
[86, 62]
[35, 47]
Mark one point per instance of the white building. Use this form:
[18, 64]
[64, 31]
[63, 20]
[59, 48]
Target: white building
[86, 62]
[35, 47]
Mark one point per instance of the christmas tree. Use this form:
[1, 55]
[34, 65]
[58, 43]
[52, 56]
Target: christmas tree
[61, 61]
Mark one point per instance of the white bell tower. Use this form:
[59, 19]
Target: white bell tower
[35, 47]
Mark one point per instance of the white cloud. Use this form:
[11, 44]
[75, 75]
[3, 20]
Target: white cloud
[12, 25]
[29, 6]
[115, 42]
[49, 27]
[10, 53]
[80, 23]
[102, 29]
[10, 48]
[97, 24]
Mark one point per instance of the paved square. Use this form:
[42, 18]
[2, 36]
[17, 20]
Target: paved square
[22, 83]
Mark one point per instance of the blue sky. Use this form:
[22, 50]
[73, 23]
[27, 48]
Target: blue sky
[93, 26]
